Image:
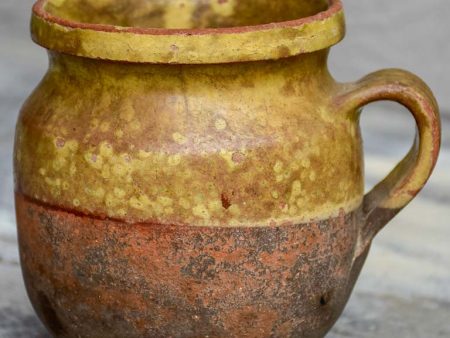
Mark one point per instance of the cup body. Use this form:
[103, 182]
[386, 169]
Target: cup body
[187, 199]
[205, 200]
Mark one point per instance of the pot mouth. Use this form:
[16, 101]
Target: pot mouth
[164, 31]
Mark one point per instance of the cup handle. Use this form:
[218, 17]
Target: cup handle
[391, 195]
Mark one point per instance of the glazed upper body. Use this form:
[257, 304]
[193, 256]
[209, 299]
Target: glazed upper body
[252, 143]
[202, 139]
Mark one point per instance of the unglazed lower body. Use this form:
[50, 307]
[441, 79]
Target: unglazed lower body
[92, 277]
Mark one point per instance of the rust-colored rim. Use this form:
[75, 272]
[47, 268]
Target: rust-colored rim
[206, 45]
[39, 10]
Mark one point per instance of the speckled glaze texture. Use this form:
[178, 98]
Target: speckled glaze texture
[204, 145]
[192, 169]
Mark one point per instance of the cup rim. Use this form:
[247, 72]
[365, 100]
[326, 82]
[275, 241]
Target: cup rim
[191, 45]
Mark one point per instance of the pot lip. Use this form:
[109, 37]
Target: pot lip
[196, 45]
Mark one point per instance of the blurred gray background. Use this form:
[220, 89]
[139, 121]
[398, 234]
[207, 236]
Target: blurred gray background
[404, 290]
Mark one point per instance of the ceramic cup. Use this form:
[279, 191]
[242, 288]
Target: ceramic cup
[191, 168]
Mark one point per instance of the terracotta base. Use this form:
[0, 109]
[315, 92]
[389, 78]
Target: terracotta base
[92, 277]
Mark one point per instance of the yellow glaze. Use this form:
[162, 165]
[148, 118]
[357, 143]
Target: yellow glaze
[207, 113]
[195, 32]
[254, 143]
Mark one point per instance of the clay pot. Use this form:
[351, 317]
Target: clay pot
[202, 178]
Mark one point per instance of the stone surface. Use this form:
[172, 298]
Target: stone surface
[404, 290]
